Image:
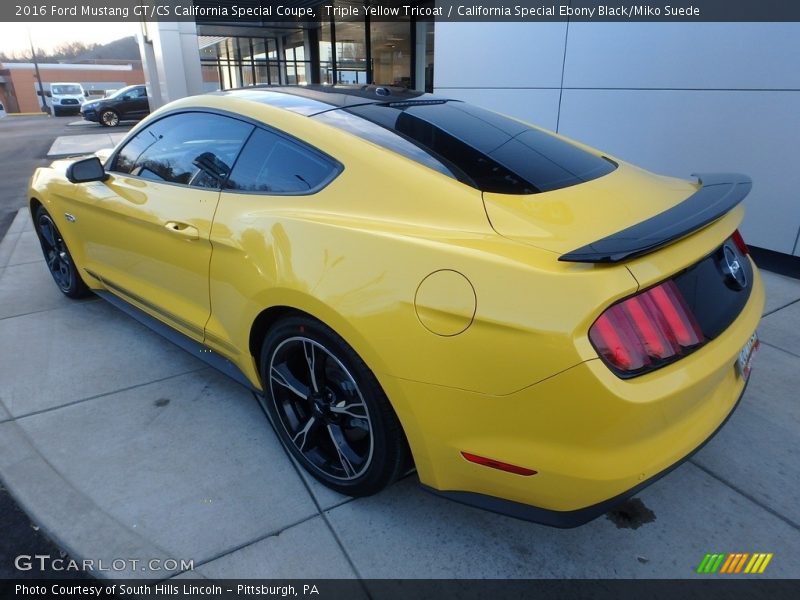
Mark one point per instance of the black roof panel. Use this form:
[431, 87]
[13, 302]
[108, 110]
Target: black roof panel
[481, 148]
[304, 98]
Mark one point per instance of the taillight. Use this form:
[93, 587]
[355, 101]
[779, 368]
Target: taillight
[739, 241]
[646, 331]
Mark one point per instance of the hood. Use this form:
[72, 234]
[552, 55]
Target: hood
[565, 219]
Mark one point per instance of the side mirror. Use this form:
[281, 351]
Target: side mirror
[86, 94]
[87, 169]
[48, 93]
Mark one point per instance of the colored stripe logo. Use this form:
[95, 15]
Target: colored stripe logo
[734, 562]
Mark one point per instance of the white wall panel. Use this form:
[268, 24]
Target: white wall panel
[539, 107]
[683, 55]
[681, 132]
[499, 54]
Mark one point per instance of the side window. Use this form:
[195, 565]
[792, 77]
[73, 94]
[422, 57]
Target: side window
[273, 164]
[195, 149]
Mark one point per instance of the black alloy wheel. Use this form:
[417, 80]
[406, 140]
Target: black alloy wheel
[56, 255]
[329, 410]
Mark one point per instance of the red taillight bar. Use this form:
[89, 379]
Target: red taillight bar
[647, 330]
[739, 241]
[680, 322]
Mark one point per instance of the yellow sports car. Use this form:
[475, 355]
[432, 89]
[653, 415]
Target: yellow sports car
[406, 280]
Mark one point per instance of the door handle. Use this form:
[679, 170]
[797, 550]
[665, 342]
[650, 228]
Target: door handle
[183, 229]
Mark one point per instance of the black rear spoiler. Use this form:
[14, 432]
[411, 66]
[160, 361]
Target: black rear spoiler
[718, 194]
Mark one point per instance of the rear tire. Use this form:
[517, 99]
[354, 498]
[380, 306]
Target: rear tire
[56, 255]
[329, 409]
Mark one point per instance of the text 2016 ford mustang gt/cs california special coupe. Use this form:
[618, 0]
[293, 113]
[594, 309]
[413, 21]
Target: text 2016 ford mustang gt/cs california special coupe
[541, 328]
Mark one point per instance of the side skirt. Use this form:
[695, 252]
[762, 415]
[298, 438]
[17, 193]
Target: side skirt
[204, 353]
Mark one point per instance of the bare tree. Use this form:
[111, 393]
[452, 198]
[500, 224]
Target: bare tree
[65, 51]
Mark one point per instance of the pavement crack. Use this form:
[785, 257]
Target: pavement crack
[43, 310]
[789, 352]
[246, 544]
[774, 310]
[746, 495]
[110, 393]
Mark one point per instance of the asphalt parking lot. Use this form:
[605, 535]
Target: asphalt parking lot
[24, 143]
[120, 445]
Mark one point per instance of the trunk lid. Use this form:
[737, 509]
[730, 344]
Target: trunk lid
[568, 218]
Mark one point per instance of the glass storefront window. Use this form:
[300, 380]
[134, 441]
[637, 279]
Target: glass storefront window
[391, 53]
[230, 62]
[325, 53]
[294, 50]
[349, 52]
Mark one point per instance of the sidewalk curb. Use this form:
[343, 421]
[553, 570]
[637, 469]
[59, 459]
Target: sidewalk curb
[19, 222]
[9, 241]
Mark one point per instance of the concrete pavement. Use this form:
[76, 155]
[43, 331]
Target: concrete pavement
[120, 445]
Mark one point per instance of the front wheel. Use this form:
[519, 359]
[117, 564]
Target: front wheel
[56, 255]
[329, 410]
[109, 118]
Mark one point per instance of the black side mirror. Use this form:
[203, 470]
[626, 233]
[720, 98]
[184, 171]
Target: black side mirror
[48, 93]
[86, 94]
[87, 169]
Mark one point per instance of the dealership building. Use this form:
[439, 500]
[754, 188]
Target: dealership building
[675, 98]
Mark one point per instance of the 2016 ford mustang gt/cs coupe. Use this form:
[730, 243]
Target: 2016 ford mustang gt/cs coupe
[406, 280]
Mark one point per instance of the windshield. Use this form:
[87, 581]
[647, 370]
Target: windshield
[122, 92]
[64, 90]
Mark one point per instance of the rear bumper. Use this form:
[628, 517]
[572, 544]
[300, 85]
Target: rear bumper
[592, 438]
[570, 518]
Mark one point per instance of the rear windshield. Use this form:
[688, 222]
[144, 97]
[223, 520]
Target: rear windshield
[483, 149]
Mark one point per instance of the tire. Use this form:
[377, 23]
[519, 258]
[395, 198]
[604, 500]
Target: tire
[56, 255]
[56, 112]
[329, 410]
[109, 118]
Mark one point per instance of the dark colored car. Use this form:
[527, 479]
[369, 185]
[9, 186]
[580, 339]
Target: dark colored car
[129, 103]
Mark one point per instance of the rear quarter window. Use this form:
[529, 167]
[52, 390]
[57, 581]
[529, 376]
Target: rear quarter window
[274, 164]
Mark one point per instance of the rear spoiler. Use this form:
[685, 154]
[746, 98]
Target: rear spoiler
[718, 194]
